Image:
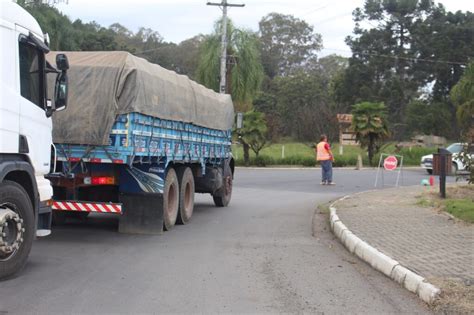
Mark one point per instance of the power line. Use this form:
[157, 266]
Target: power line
[315, 10]
[223, 5]
[333, 18]
[403, 58]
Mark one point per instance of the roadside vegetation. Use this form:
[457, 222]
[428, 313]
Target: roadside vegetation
[302, 154]
[459, 202]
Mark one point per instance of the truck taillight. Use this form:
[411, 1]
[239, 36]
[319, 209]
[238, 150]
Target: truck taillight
[102, 180]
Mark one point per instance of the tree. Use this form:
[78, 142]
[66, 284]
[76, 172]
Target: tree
[380, 68]
[253, 133]
[287, 44]
[448, 38]
[424, 117]
[187, 55]
[413, 48]
[304, 105]
[462, 95]
[244, 69]
[331, 66]
[369, 125]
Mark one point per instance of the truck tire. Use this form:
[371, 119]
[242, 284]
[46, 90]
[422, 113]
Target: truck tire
[186, 194]
[17, 219]
[170, 199]
[223, 195]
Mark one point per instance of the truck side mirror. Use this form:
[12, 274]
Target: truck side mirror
[60, 91]
[62, 63]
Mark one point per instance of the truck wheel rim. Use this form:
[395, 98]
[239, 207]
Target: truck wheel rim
[11, 231]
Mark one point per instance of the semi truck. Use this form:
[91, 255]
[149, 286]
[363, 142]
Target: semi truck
[25, 133]
[138, 141]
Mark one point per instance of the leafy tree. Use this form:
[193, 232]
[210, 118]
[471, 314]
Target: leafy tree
[304, 105]
[369, 125]
[266, 102]
[57, 25]
[381, 63]
[462, 95]
[448, 38]
[187, 55]
[244, 69]
[331, 66]
[413, 45]
[424, 117]
[287, 43]
[252, 135]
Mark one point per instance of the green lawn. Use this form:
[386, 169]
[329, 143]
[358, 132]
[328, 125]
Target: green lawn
[460, 201]
[297, 153]
[461, 208]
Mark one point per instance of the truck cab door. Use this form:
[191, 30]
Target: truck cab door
[35, 128]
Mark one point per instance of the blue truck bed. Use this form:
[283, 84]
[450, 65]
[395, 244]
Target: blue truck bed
[138, 138]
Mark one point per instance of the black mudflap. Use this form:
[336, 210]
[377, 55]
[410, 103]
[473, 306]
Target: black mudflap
[142, 213]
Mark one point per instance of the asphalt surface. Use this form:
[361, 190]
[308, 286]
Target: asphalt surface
[267, 252]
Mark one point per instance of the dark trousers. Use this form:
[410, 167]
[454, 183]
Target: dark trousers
[326, 170]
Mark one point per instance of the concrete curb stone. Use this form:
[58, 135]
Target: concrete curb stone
[381, 262]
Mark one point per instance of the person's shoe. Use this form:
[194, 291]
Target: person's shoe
[323, 182]
[331, 183]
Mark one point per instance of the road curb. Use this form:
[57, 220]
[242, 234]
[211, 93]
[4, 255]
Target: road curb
[381, 262]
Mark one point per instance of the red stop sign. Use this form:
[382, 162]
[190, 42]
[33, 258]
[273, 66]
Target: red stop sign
[390, 163]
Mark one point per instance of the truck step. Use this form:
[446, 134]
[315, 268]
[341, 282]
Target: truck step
[43, 233]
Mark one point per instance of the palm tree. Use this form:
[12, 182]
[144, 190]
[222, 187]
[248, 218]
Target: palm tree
[253, 133]
[244, 68]
[369, 125]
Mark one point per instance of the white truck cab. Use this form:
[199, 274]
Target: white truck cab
[25, 133]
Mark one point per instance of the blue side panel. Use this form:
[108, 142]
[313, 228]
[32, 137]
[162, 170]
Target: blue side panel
[137, 137]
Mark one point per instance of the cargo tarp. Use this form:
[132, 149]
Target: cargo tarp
[103, 85]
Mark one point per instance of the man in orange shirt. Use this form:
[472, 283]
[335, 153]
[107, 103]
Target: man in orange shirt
[325, 157]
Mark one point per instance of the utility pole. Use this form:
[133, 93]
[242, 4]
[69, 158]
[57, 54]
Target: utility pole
[224, 5]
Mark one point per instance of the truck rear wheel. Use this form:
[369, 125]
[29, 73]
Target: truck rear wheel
[170, 199]
[16, 228]
[223, 195]
[186, 194]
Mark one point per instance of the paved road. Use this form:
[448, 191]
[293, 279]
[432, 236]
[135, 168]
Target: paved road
[259, 255]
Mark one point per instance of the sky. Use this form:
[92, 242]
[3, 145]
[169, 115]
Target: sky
[177, 20]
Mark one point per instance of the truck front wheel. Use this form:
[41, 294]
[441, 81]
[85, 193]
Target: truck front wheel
[170, 199]
[16, 228]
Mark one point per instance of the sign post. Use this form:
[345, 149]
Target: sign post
[390, 163]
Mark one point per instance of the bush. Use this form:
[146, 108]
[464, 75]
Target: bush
[299, 154]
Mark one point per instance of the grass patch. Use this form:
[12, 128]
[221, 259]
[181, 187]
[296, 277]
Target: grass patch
[459, 202]
[302, 154]
[460, 208]
[424, 202]
[324, 208]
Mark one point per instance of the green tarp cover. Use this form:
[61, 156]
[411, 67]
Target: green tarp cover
[103, 85]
